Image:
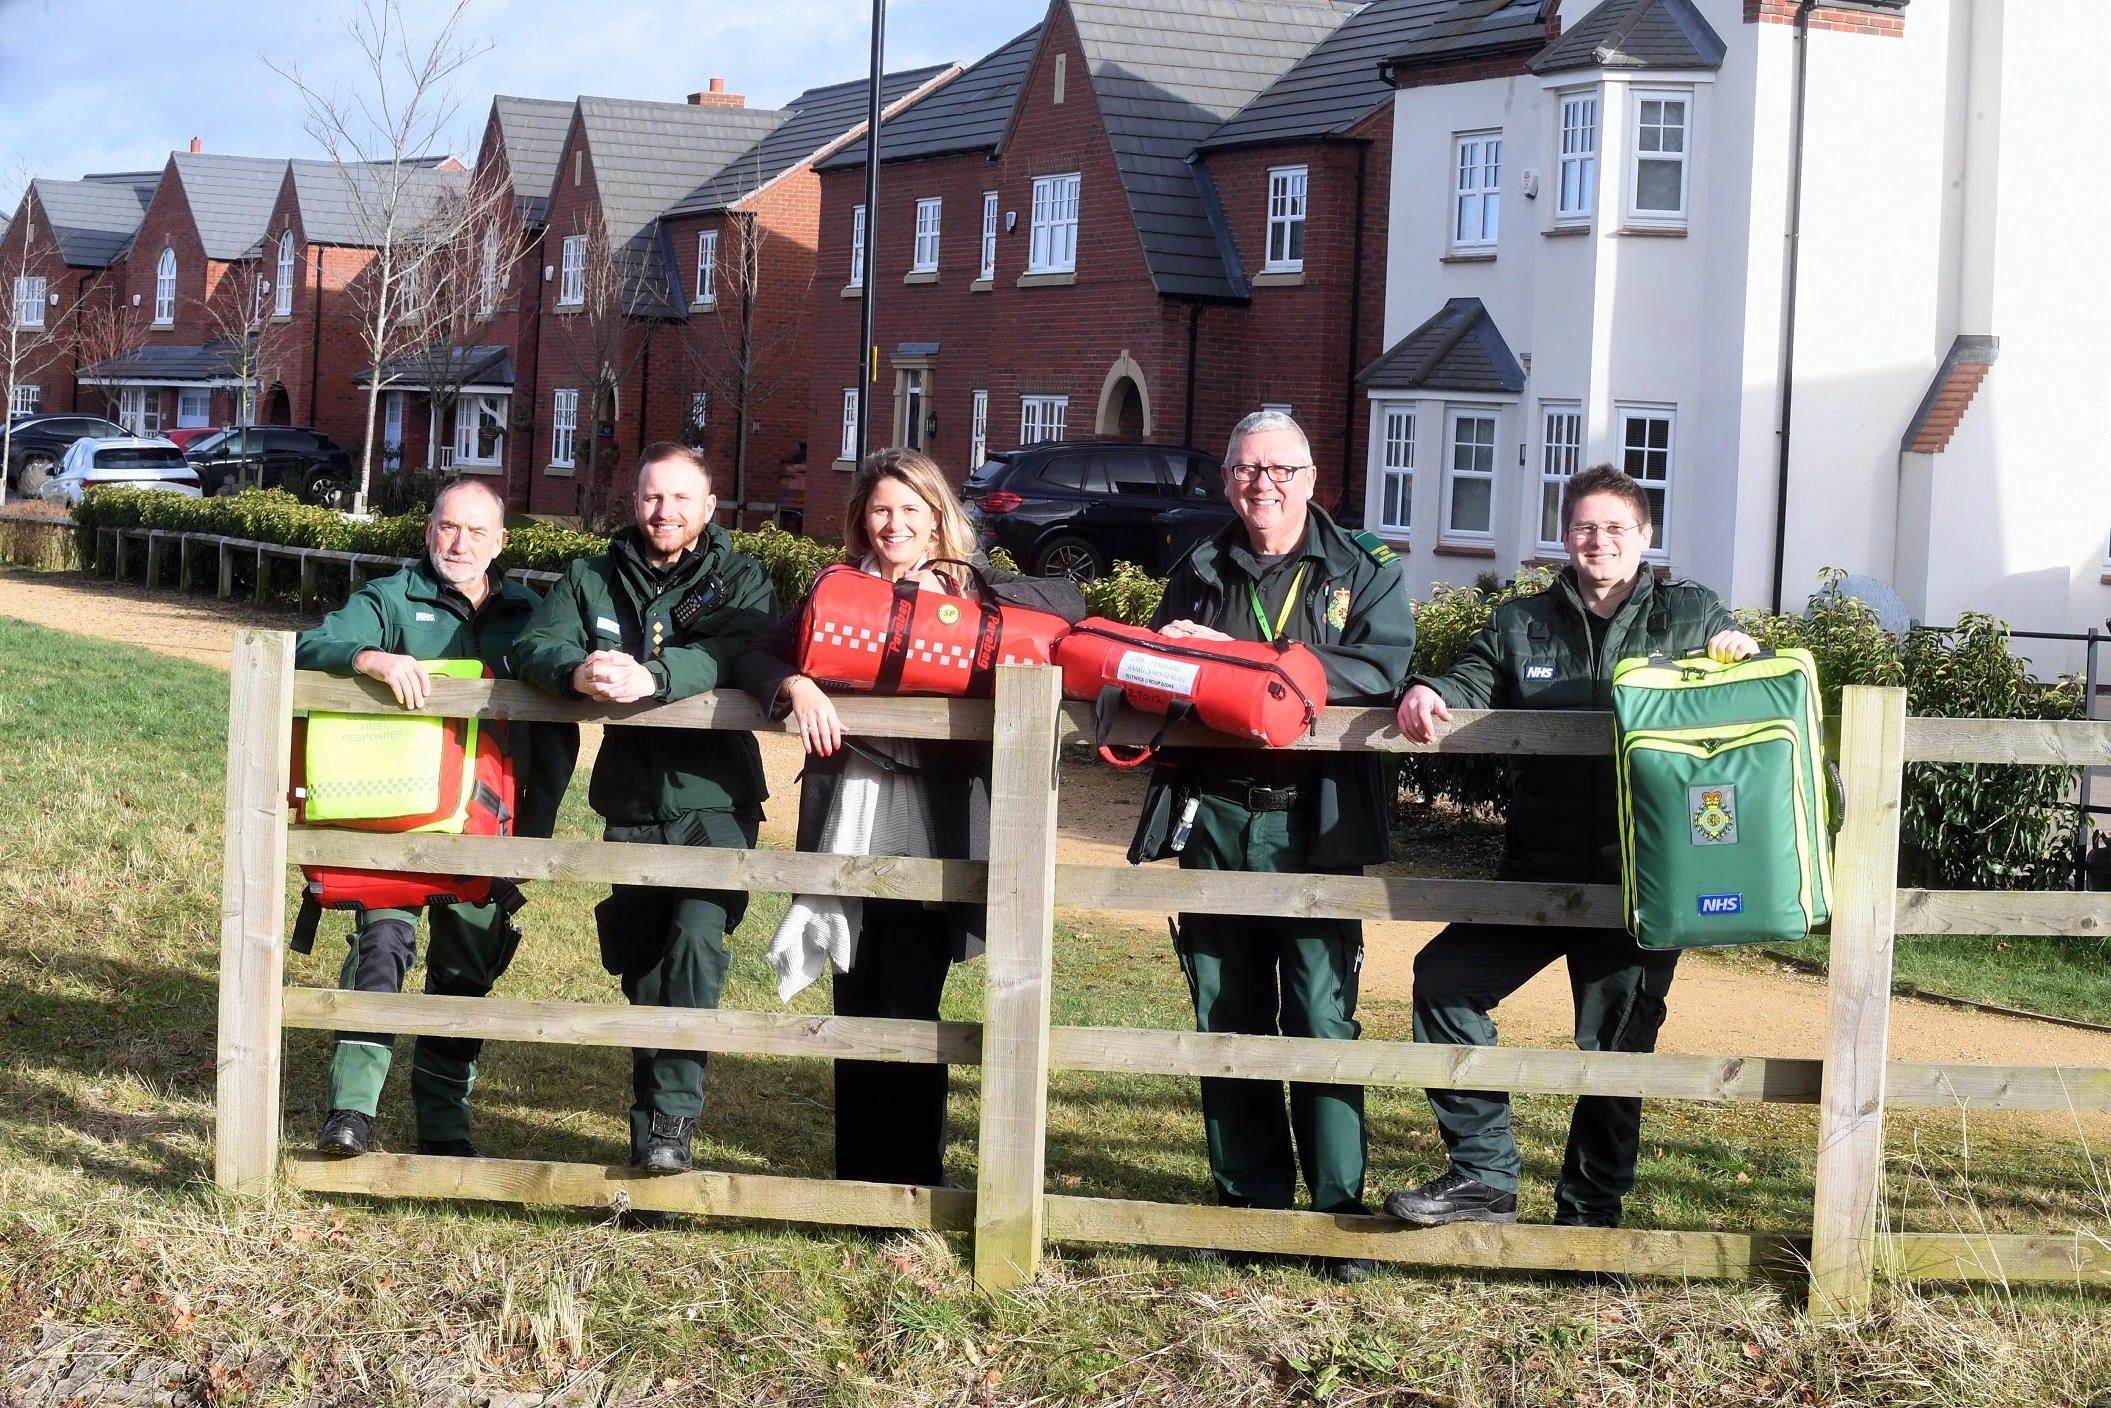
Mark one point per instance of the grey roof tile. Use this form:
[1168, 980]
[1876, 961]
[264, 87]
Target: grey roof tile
[230, 199]
[968, 114]
[1635, 34]
[819, 116]
[533, 130]
[455, 366]
[1335, 86]
[347, 205]
[1167, 74]
[94, 219]
[1457, 350]
[215, 361]
[1476, 27]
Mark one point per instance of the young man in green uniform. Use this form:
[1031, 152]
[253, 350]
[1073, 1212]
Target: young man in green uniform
[1556, 650]
[662, 615]
[1283, 571]
[451, 606]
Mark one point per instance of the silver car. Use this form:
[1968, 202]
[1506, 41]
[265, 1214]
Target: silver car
[120, 464]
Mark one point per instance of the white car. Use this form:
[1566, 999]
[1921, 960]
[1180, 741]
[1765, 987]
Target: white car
[120, 464]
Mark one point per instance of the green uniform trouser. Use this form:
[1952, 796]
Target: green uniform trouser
[1619, 989]
[470, 949]
[1269, 976]
[669, 948]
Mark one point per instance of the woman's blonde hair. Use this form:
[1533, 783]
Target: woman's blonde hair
[950, 534]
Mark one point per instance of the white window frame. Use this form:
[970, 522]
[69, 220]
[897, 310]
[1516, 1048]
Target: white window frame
[1681, 159]
[1476, 191]
[487, 275]
[28, 397]
[1052, 241]
[392, 430]
[849, 447]
[1286, 217]
[1576, 141]
[564, 427]
[1043, 419]
[699, 409]
[979, 430]
[1395, 497]
[165, 289]
[1560, 456]
[1454, 418]
[282, 296]
[924, 258]
[133, 414]
[467, 412]
[912, 389]
[571, 275]
[193, 409]
[1625, 415]
[707, 266]
[29, 300]
[407, 293]
[989, 237]
[857, 246]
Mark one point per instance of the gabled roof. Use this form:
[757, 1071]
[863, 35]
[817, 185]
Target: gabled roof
[230, 199]
[820, 116]
[1335, 86]
[1457, 350]
[344, 205]
[94, 219]
[1635, 34]
[533, 130]
[968, 114]
[1476, 28]
[1168, 73]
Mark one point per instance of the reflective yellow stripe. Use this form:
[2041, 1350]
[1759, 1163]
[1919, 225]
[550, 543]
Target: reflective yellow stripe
[369, 767]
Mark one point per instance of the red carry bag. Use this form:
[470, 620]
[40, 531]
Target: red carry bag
[860, 632]
[1250, 689]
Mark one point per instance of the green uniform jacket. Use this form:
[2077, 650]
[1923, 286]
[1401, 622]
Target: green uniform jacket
[1535, 653]
[415, 613]
[619, 602]
[1353, 610]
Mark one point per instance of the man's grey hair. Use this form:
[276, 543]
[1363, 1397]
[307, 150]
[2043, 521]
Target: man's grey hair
[466, 482]
[1261, 423]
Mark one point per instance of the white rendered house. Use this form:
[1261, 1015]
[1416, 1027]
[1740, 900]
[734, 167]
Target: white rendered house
[1591, 261]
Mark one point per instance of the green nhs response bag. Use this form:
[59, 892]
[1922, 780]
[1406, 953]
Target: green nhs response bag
[1724, 830]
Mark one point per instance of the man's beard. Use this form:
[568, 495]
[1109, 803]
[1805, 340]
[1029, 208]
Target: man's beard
[451, 574]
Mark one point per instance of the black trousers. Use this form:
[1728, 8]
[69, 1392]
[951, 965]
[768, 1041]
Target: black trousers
[891, 1115]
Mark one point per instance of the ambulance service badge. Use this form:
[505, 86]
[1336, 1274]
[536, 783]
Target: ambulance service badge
[1338, 608]
[1714, 814]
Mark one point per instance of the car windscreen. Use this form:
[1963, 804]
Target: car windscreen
[206, 444]
[140, 457]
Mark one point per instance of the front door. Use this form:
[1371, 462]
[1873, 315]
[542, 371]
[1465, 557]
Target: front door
[392, 431]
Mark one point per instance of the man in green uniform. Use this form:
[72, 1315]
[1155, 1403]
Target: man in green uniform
[451, 606]
[1283, 571]
[1556, 650]
[662, 615]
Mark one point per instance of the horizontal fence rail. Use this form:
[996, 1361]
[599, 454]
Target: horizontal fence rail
[1017, 1047]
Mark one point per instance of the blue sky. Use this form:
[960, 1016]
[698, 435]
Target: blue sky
[115, 85]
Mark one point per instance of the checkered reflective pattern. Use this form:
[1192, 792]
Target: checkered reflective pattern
[829, 633]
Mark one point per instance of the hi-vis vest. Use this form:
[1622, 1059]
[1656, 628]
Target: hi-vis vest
[384, 768]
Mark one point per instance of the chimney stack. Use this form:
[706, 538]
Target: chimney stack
[196, 146]
[716, 96]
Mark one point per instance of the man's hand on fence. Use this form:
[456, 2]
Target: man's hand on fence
[1191, 631]
[1418, 708]
[404, 676]
[1731, 645]
[613, 678]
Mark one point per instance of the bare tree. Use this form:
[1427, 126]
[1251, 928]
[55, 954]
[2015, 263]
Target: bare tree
[468, 259]
[382, 137]
[603, 337]
[31, 330]
[742, 358]
[105, 330]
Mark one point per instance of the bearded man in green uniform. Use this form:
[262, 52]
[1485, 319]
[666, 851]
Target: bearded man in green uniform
[1556, 650]
[662, 615]
[1283, 571]
[451, 606]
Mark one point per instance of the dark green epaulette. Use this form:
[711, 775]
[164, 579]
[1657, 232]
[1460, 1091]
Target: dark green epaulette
[1375, 547]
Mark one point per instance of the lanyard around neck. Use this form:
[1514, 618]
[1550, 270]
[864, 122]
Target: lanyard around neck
[1282, 617]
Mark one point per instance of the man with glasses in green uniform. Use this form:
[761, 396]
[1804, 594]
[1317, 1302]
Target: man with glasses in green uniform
[453, 605]
[1283, 571]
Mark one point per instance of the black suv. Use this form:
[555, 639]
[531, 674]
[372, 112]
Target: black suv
[1074, 510]
[40, 442]
[307, 462]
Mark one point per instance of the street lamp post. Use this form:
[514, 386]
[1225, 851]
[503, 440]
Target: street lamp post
[868, 352]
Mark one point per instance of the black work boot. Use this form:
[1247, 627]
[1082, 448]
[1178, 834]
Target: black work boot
[667, 1147]
[1347, 1269]
[1451, 1197]
[449, 1148]
[346, 1132]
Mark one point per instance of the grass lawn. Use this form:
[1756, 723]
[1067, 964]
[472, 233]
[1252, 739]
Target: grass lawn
[2061, 977]
[112, 781]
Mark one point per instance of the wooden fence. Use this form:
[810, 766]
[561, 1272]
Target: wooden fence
[1008, 1211]
[357, 565]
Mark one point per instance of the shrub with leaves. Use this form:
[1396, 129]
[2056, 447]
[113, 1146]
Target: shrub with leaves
[1444, 626]
[1126, 594]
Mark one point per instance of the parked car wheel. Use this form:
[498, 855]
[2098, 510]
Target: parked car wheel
[326, 488]
[35, 470]
[1069, 557]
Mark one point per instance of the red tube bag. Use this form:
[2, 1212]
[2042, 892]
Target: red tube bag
[859, 632]
[1273, 691]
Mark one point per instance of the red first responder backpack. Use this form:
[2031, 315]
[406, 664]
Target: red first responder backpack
[860, 632]
[1273, 691]
[477, 792]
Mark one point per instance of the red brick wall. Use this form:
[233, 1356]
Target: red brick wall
[1889, 24]
[28, 249]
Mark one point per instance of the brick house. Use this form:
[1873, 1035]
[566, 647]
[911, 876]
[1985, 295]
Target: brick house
[66, 246]
[1114, 179]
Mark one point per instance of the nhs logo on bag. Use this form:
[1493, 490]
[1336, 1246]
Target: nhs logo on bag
[1722, 904]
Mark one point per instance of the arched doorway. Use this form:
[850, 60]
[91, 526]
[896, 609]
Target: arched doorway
[1124, 402]
[277, 409]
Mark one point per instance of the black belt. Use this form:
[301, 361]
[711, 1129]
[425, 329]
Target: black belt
[1252, 796]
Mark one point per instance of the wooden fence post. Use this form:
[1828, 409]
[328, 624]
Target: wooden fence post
[307, 583]
[117, 568]
[227, 572]
[1012, 1149]
[153, 557]
[253, 910]
[183, 563]
[262, 594]
[1858, 1005]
